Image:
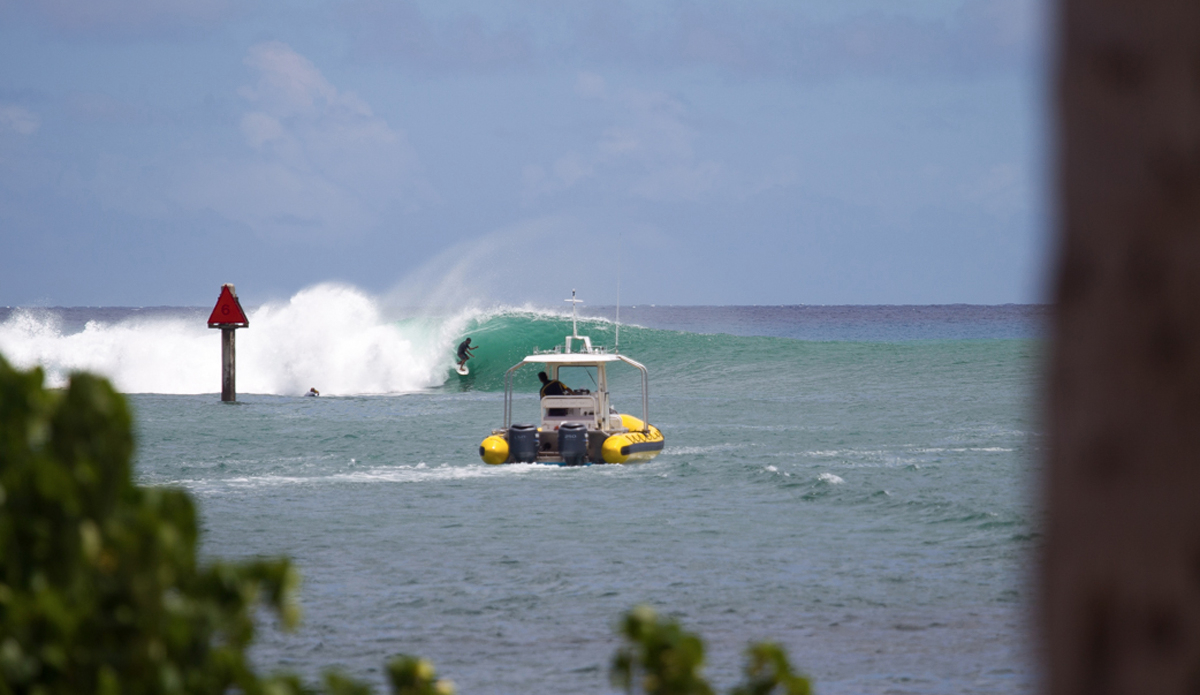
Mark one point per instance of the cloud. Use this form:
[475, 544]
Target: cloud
[980, 35]
[487, 268]
[98, 107]
[589, 85]
[1002, 189]
[535, 259]
[18, 119]
[289, 84]
[319, 164]
[260, 128]
[678, 182]
[566, 171]
[765, 39]
[648, 149]
[399, 29]
[121, 18]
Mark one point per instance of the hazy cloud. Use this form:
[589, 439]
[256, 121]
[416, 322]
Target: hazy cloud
[770, 40]
[120, 18]
[104, 108]
[980, 35]
[289, 84]
[566, 171]
[648, 150]
[150, 145]
[18, 119]
[401, 29]
[320, 163]
[1002, 189]
[590, 85]
[479, 272]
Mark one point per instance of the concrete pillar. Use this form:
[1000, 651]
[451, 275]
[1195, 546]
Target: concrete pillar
[1120, 603]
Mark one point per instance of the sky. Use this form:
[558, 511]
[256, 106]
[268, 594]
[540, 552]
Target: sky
[758, 152]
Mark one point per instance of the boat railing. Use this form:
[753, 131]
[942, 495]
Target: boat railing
[645, 390]
[508, 394]
[588, 349]
[508, 391]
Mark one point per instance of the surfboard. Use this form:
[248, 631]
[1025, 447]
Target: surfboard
[462, 370]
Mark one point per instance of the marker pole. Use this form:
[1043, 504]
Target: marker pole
[228, 316]
[228, 362]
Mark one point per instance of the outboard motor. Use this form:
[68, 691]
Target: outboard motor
[573, 443]
[523, 443]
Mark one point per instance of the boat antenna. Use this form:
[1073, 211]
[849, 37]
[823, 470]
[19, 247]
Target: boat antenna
[574, 325]
[617, 340]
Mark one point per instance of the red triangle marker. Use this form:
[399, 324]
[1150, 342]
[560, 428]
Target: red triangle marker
[228, 311]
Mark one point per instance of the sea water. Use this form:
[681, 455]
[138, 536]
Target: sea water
[854, 483]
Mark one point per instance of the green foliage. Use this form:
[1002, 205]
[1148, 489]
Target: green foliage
[661, 658]
[412, 675]
[768, 672]
[100, 591]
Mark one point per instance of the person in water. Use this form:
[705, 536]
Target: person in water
[464, 351]
[313, 392]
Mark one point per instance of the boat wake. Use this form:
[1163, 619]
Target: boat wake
[417, 473]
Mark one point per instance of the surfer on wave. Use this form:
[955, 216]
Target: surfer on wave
[464, 352]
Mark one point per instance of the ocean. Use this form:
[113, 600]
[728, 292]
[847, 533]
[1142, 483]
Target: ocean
[855, 483]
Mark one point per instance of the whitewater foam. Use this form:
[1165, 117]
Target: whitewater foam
[332, 337]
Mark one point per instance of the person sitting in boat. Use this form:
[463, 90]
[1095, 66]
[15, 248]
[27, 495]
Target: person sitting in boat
[554, 388]
[464, 351]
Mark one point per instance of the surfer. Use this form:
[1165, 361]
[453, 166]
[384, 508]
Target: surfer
[313, 392]
[464, 352]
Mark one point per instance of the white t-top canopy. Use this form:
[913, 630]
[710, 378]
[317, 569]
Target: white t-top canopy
[574, 358]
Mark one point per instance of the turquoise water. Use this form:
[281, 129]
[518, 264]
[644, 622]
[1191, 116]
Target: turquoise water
[853, 482]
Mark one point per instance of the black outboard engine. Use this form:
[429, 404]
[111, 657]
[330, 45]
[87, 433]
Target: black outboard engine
[573, 443]
[523, 443]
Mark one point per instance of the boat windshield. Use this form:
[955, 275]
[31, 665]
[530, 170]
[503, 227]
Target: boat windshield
[578, 377]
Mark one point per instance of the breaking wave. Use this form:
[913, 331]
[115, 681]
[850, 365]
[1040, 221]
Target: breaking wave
[332, 337]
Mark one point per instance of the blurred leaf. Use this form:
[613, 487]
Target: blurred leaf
[768, 672]
[100, 590]
[410, 675]
[659, 657]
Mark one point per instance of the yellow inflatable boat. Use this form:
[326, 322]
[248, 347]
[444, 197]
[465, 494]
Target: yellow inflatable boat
[576, 426]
